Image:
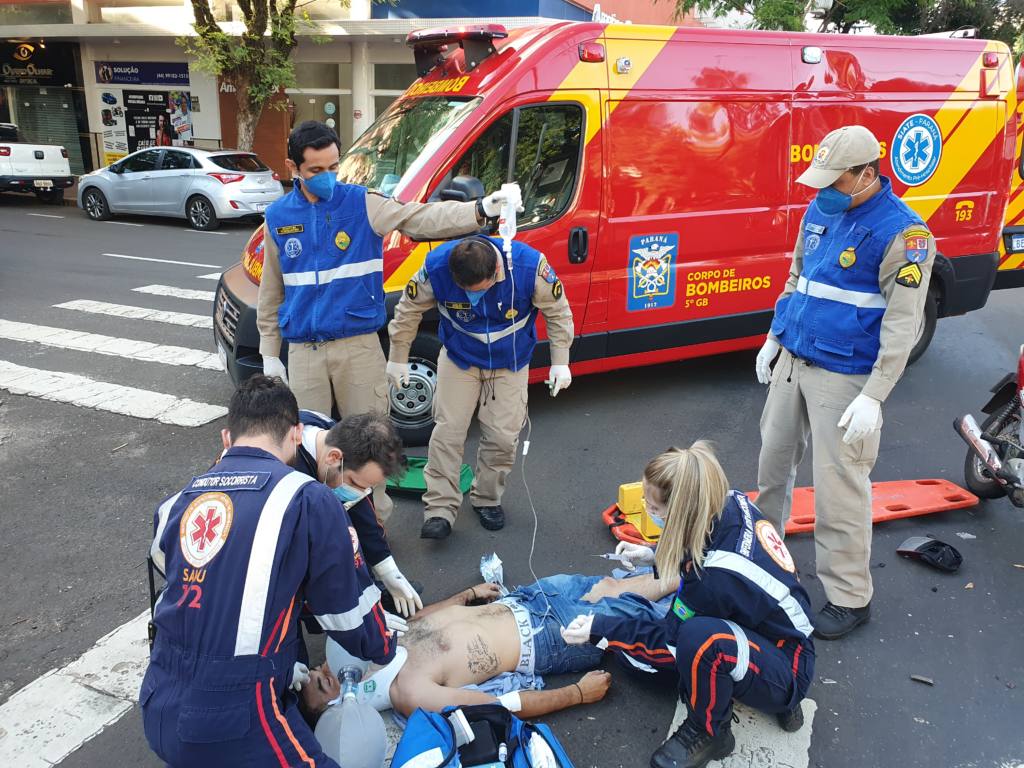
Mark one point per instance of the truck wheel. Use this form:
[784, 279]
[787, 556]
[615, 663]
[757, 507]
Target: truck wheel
[201, 214]
[95, 204]
[976, 476]
[412, 407]
[931, 318]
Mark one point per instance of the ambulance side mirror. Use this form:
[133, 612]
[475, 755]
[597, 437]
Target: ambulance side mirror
[463, 189]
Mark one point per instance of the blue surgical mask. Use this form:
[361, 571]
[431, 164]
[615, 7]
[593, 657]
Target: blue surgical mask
[658, 521]
[831, 201]
[475, 296]
[322, 185]
[348, 494]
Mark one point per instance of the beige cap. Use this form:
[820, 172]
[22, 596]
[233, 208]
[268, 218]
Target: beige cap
[841, 150]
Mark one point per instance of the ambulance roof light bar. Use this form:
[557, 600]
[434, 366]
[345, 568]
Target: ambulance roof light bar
[428, 45]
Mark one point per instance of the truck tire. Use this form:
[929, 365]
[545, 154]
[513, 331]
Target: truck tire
[201, 214]
[95, 204]
[976, 476]
[412, 407]
[931, 318]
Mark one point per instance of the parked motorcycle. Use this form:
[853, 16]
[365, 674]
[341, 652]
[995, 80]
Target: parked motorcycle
[995, 460]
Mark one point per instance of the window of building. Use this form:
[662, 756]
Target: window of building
[390, 82]
[35, 13]
[324, 93]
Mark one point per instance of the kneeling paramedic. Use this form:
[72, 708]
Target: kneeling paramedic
[243, 547]
[322, 287]
[847, 319]
[738, 627]
[488, 303]
[351, 457]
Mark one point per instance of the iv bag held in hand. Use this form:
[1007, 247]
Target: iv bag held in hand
[507, 221]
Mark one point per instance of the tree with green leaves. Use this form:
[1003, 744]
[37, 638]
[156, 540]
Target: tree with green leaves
[995, 19]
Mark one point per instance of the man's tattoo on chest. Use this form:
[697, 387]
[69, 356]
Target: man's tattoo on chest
[480, 659]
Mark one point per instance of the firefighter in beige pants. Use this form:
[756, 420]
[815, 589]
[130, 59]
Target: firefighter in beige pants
[487, 309]
[322, 284]
[847, 319]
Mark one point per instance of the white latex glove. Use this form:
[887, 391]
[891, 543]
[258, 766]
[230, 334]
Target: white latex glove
[578, 631]
[559, 378]
[407, 601]
[272, 366]
[508, 193]
[634, 555]
[397, 374]
[300, 676]
[860, 418]
[763, 366]
[395, 624]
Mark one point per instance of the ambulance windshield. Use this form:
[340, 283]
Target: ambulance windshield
[401, 141]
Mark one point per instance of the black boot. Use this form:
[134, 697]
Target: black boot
[834, 621]
[491, 518]
[791, 721]
[691, 746]
[435, 528]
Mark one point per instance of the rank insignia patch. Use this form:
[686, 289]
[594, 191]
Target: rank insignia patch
[909, 275]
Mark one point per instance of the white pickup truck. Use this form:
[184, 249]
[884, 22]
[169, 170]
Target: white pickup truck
[41, 169]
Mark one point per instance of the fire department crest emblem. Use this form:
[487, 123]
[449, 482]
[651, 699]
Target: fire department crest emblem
[652, 276]
[204, 528]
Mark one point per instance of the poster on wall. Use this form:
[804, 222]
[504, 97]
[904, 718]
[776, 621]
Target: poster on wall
[115, 125]
[158, 119]
[165, 73]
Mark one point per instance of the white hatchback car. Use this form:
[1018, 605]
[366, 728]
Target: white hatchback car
[200, 185]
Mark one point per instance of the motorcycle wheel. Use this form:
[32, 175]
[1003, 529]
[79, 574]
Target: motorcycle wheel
[976, 475]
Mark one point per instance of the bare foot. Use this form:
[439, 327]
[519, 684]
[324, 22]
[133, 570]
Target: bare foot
[594, 685]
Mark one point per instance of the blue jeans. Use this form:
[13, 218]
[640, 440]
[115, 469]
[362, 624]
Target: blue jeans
[555, 601]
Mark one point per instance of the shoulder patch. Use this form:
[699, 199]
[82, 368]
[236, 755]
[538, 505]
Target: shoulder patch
[682, 610]
[915, 245]
[545, 272]
[204, 528]
[291, 229]
[412, 289]
[772, 543]
[909, 275]
[556, 289]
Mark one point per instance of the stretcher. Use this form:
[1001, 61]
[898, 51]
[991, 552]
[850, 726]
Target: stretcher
[892, 500]
[413, 484]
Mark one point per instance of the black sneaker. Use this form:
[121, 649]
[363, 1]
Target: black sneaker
[833, 621]
[791, 721]
[435, 528]
[691, 746]
[491, 518]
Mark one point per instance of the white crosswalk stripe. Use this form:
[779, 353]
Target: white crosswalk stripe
[137, 313]
[211, 276]
[177, 293]
[104, 396]
[132, 349]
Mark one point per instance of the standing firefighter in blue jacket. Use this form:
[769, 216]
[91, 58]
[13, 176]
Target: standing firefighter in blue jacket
[738, 627]
[846, 321]
[243, 548]
[322, 288]
[488, 303]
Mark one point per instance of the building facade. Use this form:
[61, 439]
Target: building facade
[106, 77]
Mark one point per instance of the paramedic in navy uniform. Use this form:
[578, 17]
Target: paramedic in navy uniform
[738, 627]
[243, 548]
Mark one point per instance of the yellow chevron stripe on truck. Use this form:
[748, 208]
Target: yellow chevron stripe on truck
[968, 128]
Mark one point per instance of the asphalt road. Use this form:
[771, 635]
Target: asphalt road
[80, 485]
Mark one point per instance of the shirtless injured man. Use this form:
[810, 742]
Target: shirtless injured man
[477, 635]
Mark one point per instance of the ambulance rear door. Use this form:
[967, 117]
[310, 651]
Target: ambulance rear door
[696, 242]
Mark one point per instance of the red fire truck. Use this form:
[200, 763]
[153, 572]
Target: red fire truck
[657, 166]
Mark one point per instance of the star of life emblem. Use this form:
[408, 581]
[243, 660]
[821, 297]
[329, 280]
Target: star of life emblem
[204, 528]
